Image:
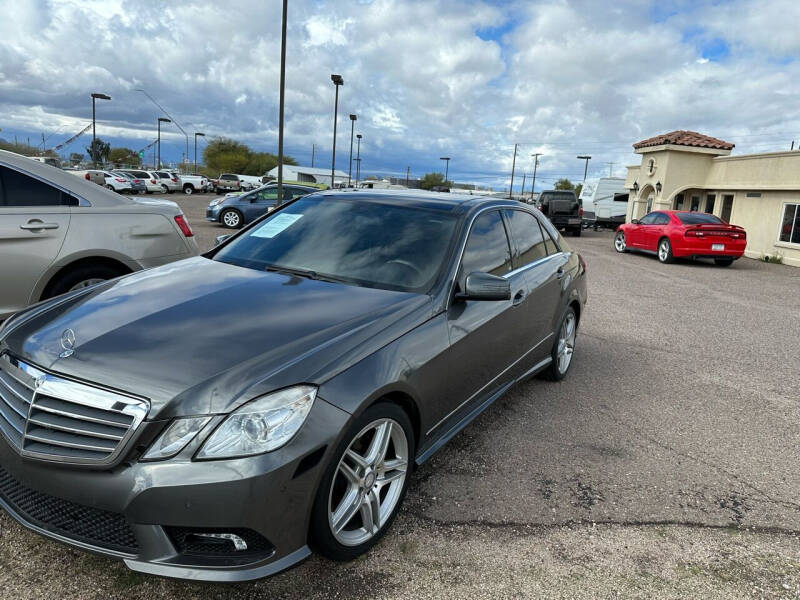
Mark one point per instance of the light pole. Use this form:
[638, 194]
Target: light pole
[160, 121]
[280, 102]
[535, 164]
[337, 81]
[358, 158]
[352, 127]
[96, 96]
[446, 160]
[408, 172]
[586, 164]
[196, 133]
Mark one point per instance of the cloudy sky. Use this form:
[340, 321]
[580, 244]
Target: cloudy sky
[429, 78]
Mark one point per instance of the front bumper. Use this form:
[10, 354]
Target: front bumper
[212, 213]
[133, 511]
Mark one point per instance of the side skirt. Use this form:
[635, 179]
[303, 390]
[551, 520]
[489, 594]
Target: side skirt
[471, 415]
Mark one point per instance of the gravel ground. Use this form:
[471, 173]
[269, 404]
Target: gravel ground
[664, 466]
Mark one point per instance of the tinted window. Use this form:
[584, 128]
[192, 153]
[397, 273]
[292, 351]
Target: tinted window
[661, 219]
[527, 236]
[229, 177]
[790, 225]
[549, 243]
[18, 189]
[487, 248]
[297, 192]
[270, 196]
[698, 219]
[363, 243]
[648, 219]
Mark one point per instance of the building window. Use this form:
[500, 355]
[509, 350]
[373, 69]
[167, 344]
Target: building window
[790, 226]
[727, 208]
[695, 204]
[651, 166]
[753, 194]
[679, 202]
[710, 198]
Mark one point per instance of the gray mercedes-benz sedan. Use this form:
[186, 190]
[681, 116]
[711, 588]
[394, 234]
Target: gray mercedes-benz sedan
[218, 417]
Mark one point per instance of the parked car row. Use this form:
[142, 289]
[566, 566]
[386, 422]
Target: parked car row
[134, 181]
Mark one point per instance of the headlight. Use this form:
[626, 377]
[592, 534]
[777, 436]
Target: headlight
[216, 201]
[175, 438]
[261, 425]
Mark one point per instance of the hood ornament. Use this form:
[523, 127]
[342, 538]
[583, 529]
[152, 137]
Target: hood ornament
[67, 343]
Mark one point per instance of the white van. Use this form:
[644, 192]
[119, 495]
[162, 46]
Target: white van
[597, 200]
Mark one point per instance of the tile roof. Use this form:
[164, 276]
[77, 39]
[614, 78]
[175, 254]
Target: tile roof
[685, 138]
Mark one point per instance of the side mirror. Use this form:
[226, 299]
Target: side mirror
[484, 286]
[634, 221]
[221, 238]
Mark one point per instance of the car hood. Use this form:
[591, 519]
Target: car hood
[199, 336]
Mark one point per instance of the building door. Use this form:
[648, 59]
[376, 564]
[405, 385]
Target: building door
[679, 202]
[695, 204]
[710, 199]
[649, 204]
[727, 208]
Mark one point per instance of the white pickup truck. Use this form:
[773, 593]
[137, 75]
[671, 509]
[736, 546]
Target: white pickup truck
[194, 183]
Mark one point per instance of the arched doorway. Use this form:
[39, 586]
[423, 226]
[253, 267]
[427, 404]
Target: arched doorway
[643, 203]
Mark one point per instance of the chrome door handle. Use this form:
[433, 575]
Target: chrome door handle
[34, 226]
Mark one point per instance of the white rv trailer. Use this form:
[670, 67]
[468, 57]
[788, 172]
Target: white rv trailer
[597, 200]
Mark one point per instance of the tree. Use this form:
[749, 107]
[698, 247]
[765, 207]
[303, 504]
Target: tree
[75, 158]
[564, 184]
[98, 150]
[224, 155]
[124, 156]
[431, 180]
[578, 190]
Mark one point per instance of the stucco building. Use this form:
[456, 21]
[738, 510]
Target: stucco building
[685, 170]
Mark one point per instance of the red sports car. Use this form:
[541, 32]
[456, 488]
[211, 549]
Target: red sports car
[674, 234]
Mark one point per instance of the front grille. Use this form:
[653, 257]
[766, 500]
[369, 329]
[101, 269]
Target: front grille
[190, 540]
[81, 523]
[46, 416]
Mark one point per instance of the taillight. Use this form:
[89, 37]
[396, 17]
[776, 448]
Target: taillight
[152, 181]
[580, 212]
[174, 180]
[87, 177]
[120, 179]
[183, 225]
[693, 233]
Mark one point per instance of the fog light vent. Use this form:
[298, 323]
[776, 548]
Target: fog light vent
[216, 541]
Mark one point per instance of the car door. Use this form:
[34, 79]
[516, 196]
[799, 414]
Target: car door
[636, 232]
[653, 230]
[539, 259]
[485, 336]
[259, 202]
[34, 219]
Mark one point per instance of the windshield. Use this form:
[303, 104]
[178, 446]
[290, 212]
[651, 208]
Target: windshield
[697, 218]
[362, 243]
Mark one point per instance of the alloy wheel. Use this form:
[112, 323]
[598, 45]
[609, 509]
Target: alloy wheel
[566, 343]
[663, 251]
[86, 283]
[368, 482]
[231, 218]
[619, 242]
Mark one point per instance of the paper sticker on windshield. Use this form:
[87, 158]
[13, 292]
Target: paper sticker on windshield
[275, 225]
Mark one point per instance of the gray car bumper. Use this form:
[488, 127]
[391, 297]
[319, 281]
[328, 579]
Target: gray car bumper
[133, 512]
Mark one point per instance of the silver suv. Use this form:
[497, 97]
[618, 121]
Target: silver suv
[59, 232]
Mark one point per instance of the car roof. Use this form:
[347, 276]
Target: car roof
[96, 195]
[443, 201]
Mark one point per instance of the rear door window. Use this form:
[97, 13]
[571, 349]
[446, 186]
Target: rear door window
[18, 189]
[487, 249]
[527, 236]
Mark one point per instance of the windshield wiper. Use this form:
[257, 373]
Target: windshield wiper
[307, 273]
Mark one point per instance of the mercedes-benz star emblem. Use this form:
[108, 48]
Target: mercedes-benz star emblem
[67, 343]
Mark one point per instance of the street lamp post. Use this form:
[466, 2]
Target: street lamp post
[446, 160]
[352, 127]
[196, 133]
[535, 164]
[358, 158]
[160, 121]
[281, 101]
[586, 164]
[96, 96]
[337, 81]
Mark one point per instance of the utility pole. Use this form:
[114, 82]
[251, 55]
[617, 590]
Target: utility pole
[522, 191]
[535, 164]
[280, 102]
[313, 147]
[513, 165]
[350, 164]
[408, 172]
[610, 168]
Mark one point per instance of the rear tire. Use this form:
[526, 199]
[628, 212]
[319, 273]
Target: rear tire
[334, 488]
[188, 189]
[164, 189]
[723, 262]
[665, 251]
[111, 187]
[564, 346]
[80, 276]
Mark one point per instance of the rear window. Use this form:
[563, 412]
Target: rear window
[229, 177]
[698, 218]
[551, 196]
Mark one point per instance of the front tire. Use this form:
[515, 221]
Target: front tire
[79, 277]
[564, 346]
[365, 483]
[620, 244]
[231, 218]
[188, 189]
[665, 251]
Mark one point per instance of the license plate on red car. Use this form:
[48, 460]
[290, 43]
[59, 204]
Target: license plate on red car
[718, 247]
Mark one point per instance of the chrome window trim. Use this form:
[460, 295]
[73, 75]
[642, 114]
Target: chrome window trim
[81, 200]
[492, 380]
[83, 394]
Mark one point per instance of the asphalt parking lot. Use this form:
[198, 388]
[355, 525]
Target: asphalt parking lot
[664, 466]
